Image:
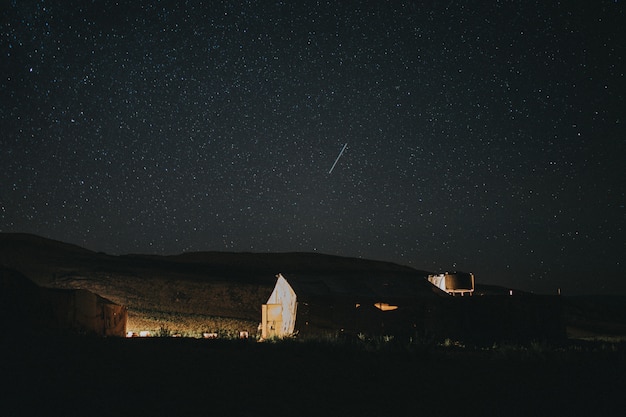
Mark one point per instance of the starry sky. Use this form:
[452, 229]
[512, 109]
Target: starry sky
[481, 136]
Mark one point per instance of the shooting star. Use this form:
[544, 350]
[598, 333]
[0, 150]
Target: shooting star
[338, 156]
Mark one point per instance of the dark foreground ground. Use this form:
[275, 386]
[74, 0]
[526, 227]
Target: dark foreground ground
[188, 377]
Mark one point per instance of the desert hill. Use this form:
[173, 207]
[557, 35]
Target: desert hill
[38, 257]
[191, 292]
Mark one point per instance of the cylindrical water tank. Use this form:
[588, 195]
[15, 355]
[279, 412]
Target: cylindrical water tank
[460, 281]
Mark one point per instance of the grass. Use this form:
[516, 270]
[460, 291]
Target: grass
[535, 351]
[188, 325]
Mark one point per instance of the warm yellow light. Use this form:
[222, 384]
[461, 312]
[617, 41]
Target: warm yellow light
[385, 307]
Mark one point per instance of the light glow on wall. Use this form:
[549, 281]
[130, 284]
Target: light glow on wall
[385, 307]
[279, 313]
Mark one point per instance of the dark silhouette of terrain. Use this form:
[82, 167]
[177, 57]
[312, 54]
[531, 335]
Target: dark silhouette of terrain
[193, 288]
[205, 291]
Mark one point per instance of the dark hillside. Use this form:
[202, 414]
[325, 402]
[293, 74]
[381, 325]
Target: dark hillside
[41, 256]
[192, 288]
[36, 257]
[262, 268]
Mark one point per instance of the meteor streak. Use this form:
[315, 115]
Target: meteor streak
[337, 160]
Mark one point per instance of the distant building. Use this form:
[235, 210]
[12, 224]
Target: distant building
[457, 283]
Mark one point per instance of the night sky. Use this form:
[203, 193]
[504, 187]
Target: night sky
[481, 136]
